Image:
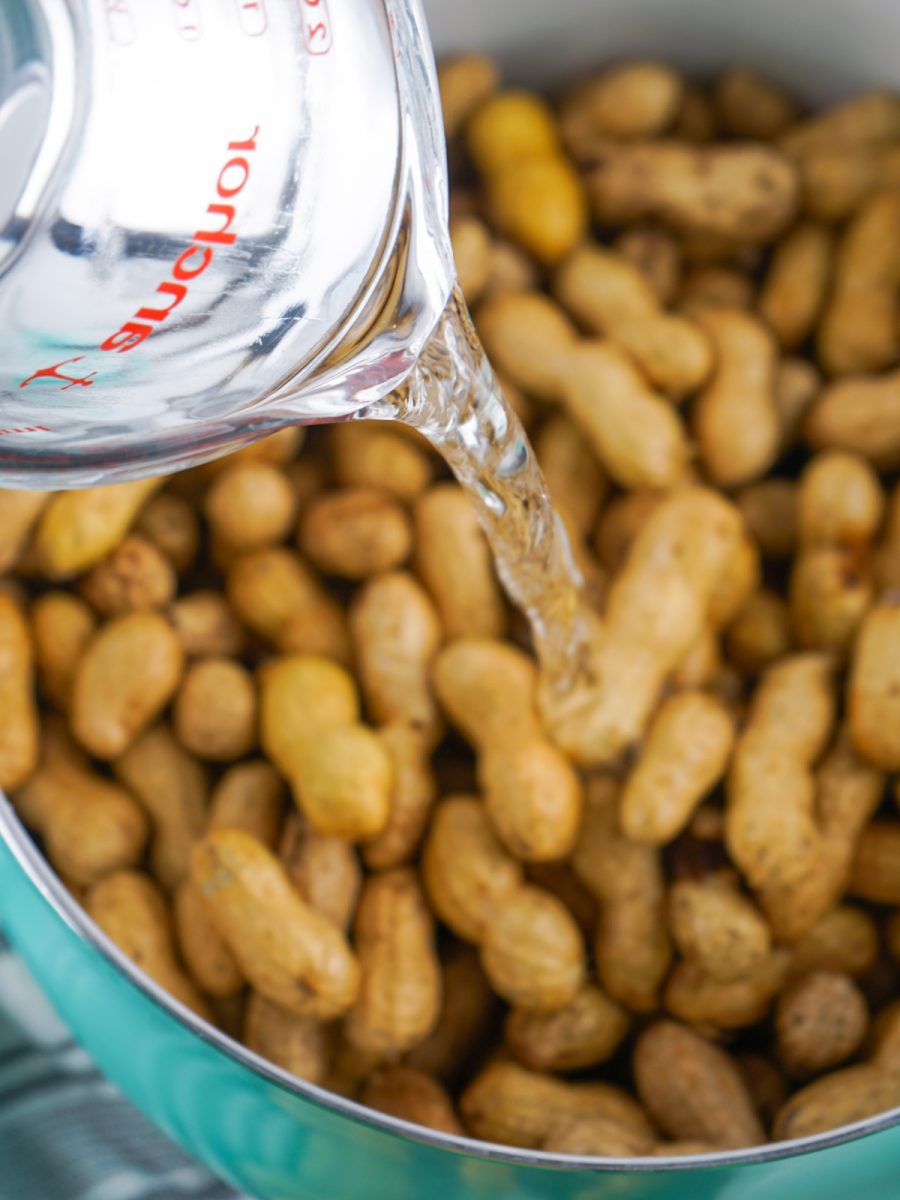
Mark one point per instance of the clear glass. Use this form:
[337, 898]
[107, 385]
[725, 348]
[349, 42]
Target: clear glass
[222, 218]
[215, 219]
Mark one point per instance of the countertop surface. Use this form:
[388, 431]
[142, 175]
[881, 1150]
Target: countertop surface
[65, 1132]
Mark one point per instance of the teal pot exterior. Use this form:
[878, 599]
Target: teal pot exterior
[279, 1138]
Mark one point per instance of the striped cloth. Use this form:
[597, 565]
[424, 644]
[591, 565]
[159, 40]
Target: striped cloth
[65, 1132]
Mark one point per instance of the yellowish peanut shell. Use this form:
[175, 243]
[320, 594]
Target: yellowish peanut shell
[400, 989]
[248, 796]
[717, 927]
[857, 333]
[251, 504]
[465, 82]
[207, 625]
[471, 245]
[694, 997]
[507, 1103]
[844, 939]
[135, 575]
[19, 512]
[90, 826]
[77, 529]
[355, 533]
[657, 255]
[596, 1136]
[295, 957]
[631, 944]
[760, 634]
[276, 596]
[468, 875]
[752, 107]
[738, 191]
[412, 1095]
[214, 713]
[860, 415]
[18, 715]
[487, 688]
[528, 337]
[210, 962]
[127, 674]
[172, 788]
[876, 867]
[769, 508]
[366, 454]
[466, 1018]
[532, 951]
[574, 478]
[540, 205]
[299, 1045]
[685, 754]
[512, 126]
[61, 625]
[533, 798]
[840, 501]
[735, 418]
[796, 283]
[820, 1021]
[868, 117]
[633, 99]
[396, 633]
[454, 562]
[325, 870]
[692, 1088]
[583, 1033]
[637, 436]
[132, 912]
[839, 1098]
[413, 794]
[170, 523]
[873, 693]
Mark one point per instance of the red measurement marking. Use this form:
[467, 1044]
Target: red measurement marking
[215, 231]
[252, 16]
[26, 429]
[196, 258]
[316, 21]
[187, 18]
[55, 373]
[119, 22]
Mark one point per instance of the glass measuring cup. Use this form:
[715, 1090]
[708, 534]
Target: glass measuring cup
[217, 217]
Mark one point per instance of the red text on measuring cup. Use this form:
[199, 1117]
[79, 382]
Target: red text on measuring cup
[316, 21]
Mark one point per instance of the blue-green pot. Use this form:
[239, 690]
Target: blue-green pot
[279, 1138]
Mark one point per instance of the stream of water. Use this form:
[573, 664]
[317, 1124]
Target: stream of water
[454, 400]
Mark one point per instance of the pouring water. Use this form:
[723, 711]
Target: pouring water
[179, 278]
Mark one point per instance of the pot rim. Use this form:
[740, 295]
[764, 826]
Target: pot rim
[39, 872]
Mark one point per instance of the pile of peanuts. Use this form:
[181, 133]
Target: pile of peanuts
[275, 725]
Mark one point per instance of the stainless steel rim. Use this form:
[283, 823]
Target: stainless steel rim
[42, 876]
